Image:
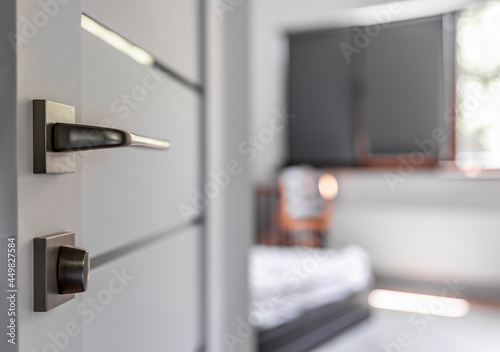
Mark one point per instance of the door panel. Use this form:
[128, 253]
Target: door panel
[148, 300]
[167, 29]
[130, 193]
[116, 198]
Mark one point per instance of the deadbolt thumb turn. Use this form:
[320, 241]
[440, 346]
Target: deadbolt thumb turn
[55, 136]
[60, 270]
[73, 268]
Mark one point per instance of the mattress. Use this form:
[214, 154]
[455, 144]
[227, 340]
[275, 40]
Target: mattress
[287, 282]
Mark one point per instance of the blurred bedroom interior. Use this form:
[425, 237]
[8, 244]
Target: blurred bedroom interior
[298, 175]
[375, 153]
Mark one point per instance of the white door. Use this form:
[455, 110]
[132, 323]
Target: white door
[145, 291]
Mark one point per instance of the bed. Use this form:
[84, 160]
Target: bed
[302, 296]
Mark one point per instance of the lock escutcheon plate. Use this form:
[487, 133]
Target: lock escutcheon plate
[46, 256]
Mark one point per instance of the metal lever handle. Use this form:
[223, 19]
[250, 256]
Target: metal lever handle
[72, 137]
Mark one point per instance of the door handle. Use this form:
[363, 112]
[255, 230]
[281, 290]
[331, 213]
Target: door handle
[72, 137]
[56, 136]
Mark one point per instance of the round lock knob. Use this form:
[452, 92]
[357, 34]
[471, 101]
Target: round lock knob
[72, 270]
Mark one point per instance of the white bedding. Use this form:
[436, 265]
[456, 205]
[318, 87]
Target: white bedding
[286, 281]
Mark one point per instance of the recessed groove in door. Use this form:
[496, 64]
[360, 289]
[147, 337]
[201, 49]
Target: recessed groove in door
[135, 52]
[139, 244]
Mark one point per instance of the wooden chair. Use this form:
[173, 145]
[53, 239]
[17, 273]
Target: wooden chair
[306, 205]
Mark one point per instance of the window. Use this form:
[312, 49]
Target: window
[478, 87]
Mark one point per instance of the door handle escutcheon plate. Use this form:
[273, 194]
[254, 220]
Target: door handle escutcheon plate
[45, 160]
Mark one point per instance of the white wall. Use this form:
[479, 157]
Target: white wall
[432, 227]
[229, 215]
